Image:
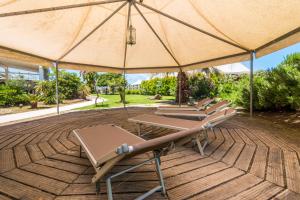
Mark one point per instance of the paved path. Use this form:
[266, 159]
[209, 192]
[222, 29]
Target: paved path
[44, 112]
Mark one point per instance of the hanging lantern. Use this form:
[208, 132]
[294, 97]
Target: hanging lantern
[131, 35]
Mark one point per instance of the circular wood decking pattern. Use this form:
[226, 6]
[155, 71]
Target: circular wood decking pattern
[40, 160]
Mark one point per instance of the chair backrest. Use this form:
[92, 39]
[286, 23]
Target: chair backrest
[216, 107]
[212, 120]
[219, 116]
[204, 102]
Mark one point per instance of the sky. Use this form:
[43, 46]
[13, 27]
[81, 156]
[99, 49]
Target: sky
[273, 59]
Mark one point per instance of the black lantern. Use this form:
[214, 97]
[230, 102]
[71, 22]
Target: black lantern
[131, 35]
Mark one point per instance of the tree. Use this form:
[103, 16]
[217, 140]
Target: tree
[184, 93]
[91, 79]
[118, 82]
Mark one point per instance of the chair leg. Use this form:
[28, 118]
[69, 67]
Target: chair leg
[160, 176]
[98, 187]
[200, 147]
[80, 149]
[138, 129]
[109, 189]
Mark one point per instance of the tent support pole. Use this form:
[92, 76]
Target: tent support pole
[179, 88]
[251, 83]
[56, 87]
[124, 100]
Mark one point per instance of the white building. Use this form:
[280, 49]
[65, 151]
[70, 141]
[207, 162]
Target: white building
[234, 69]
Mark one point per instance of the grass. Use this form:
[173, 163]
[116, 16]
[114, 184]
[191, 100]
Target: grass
[114, 101]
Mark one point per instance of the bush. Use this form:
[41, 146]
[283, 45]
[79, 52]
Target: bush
[69, 88]
[46, 91]
[12, 93]
[201, 86]
[69, 84]
[274, 89]
[163, 86]
[84, 91]
[135, 91]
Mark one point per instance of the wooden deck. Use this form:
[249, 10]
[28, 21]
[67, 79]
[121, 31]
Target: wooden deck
[40, 160]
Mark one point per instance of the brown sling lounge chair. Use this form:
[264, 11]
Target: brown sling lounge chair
[201, 105]
[183, 124]
[194, 113]
[106, 145]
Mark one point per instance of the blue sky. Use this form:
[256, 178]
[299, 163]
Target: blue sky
[273, 59]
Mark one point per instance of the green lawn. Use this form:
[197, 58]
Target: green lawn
[114, 101]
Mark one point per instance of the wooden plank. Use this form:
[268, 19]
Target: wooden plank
[275, 167]
[117, 187]
[72, 159]
[230, 188]
[214, 144]
[253, 137]
[187, 167]
[262, 191]
[245, 157]
[51, 172]
[287, 195]
[233, 153]
[7, 161]
[222, 150]
[35, 152]
[21, 191]
[244, 137]
[182, 160]
[10, 140]
[236, 136]
[58, 146]
[292, 170]
[46, 149]
[17, 141]
[28, 139]
[2, 197]
[259, 164]
[78, 169]
[22, 156]
[191, 189]
[37, 181]
[190, 176]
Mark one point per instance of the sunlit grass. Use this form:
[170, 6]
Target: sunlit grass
[114, 101]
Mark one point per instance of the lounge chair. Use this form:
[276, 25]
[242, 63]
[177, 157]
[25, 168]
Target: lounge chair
[201, 105]
[183, 124]
[106, 145]
[194, 113]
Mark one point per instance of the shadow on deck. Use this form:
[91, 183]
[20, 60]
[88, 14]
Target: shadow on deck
[40, 160]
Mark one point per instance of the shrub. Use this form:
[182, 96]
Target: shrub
[46, 91]
[163, 86]
[12, 94]
[135, 91]
[200, 86]
[84, 91]
[69, 84]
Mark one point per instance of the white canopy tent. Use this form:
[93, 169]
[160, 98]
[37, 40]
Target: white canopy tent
[171, 35]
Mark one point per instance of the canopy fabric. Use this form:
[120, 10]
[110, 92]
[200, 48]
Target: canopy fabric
[170, 34]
